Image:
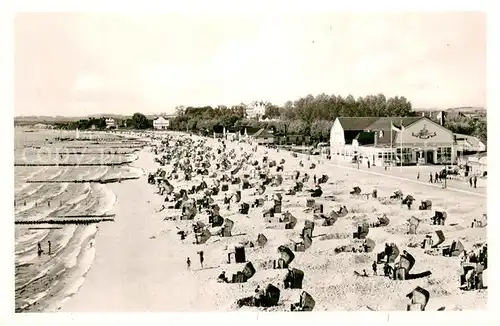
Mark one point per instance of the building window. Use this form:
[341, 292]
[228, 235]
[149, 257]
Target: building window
[386, 156]
[406, 154]
[444, 154]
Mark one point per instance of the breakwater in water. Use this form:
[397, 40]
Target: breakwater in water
[103, 181]
[73, 164]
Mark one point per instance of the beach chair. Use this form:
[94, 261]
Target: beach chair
[291, 221]
[369, 245]
[271, 297]
[227, 228]
[203, 236]
[383, 221]
[317, 192]
[277, 207]
[269, 212]
[238, 254]
[261, 240]
[318, 208]
[310, 203]
[355, 191]
[237, 197]
[342, 212]
[398, 194]
[413, 224]
[286, 257]
[216, 220]
[362, 231]
[439, 218]
[425, 205]
[293, 279]
[419, 298]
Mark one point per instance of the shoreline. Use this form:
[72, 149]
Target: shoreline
[44, 283]
[139, 264]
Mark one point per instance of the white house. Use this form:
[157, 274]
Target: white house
[160, 123]
[415, 140]
[110, 123]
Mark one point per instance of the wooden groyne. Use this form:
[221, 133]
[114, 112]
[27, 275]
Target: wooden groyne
[40, 147]
[71, 219]
[104, 181]
[89, 153]
[87, 216]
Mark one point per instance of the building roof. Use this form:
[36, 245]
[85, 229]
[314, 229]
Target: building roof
[263, 133]
[356, 123]
[471, 141]
[384, 123]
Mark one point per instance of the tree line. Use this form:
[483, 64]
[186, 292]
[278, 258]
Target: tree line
[137, 121]
[310, 116]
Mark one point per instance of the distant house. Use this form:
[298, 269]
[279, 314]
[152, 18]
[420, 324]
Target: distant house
[161, 123]
[256, 111]
[110, 123]
[263, 136]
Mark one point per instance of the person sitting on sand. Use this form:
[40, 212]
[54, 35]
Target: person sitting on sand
[222, 278]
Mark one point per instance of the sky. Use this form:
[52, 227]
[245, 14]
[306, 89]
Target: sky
[86, 63]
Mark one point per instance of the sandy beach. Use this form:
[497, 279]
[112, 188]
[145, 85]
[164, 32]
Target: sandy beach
[140, 262]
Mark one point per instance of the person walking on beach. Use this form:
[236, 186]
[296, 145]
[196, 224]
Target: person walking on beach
[315, 179]
[50, 247]
[430, 177]
[470, 182]
[436, 177]
[201, 258]
[475, 181]
[418, 175]
[374, 267]
[39, 249]
[188, 262]
[368, 162]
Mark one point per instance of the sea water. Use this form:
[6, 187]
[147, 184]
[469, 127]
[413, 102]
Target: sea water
[43, 281]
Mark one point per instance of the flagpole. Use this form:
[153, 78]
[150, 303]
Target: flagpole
[391, 147]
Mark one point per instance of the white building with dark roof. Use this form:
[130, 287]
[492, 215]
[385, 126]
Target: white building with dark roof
[161, 123]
